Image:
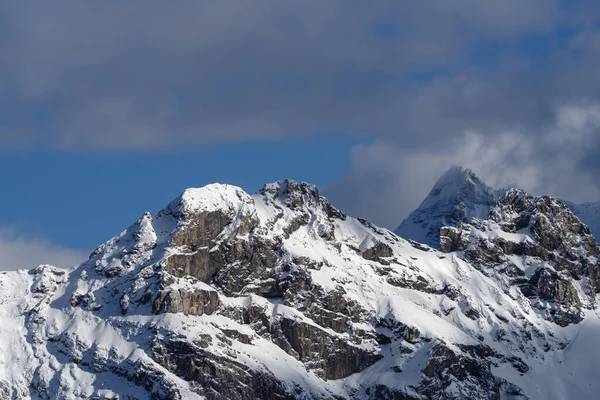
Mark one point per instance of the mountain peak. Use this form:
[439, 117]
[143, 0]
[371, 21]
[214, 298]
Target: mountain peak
[278, 295]
[457, 196]
[211, 197]
[457, 172]
[455, 179]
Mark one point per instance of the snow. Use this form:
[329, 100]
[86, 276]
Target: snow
[71, 349]
[456, 197]
[212, 198]
[460, 193]
[589, 214]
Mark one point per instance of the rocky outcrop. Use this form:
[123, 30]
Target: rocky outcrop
[189, 301]
[541, 230]
[451, 239]
[377, 252]
[558, 295]
[331, 356]
[446, 367]
[218, 378]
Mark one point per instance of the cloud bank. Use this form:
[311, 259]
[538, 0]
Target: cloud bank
[561, 159]
[508, 88]
[25, 252]
[146, 74]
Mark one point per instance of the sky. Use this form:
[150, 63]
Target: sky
[109, 109]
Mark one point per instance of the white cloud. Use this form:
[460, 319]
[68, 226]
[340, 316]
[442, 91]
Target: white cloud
[19, 251]
[387, 180]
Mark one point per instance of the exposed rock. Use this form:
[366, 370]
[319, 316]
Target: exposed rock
[378, 251]
[446, 367]
[218, 378]
[557, 289]
[281, 296]
[540, 230]
[451, 239]
[124, 304]
[189, 302]
[334, 356]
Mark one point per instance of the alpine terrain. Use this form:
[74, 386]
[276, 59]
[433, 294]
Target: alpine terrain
[279, 295]
[460, 195]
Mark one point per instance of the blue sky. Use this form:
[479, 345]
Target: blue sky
[109, 109]
[81, 199]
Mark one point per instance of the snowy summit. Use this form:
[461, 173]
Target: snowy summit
[456, 197]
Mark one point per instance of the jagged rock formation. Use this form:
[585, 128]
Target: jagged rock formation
[279, 295]
[538, 244]
[458, 196]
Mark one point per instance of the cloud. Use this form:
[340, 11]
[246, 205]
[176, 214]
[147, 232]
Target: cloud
[387, 181]
[146, 74]
[19, 251]
[508, 87]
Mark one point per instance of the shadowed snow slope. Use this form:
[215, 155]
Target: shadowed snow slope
[279, 295]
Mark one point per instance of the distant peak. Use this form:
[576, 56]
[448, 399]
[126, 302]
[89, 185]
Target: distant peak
[457, 173]
[457, 196]
[453, 180]
[459, 170]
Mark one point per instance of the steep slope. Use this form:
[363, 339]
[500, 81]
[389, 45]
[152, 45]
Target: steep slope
[456, 197]
[279, 295]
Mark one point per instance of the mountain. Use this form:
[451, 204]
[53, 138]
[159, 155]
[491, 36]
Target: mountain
[460, 195]
[279, 295]
[589, 213]
[457, 196]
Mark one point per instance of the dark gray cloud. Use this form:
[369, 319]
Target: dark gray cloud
[144, 74]
[430, 83]
[533, 122]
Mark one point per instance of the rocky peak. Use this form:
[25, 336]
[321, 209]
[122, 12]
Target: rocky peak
[548, 220]
[457, 180]
[297, 196]
[457, 196]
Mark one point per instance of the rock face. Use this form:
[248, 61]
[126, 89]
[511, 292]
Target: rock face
[279, 295]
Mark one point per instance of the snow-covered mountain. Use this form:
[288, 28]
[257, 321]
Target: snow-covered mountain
[279, 295]
[460, 195]
[456, 197]
[589, 213]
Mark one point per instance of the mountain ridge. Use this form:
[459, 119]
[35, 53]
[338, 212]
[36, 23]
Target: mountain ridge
[460, 195]
[280, 295]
